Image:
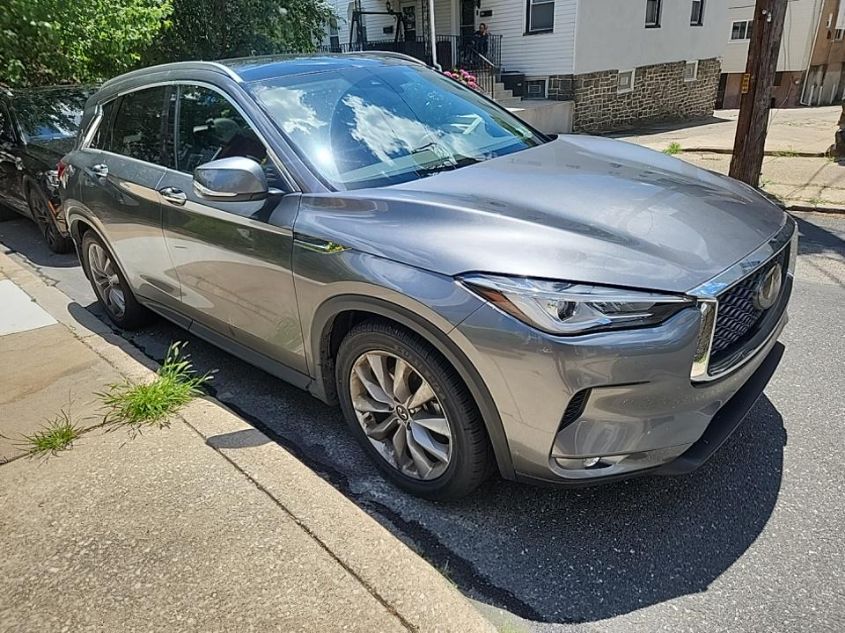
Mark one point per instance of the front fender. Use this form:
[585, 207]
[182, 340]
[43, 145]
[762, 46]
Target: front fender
[329, 284]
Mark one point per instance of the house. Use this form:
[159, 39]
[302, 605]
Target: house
[811, 58]
[614, 63]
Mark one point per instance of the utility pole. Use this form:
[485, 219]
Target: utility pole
[755, 102]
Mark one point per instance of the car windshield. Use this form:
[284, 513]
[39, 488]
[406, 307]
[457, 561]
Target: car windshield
[370, 127]
[50, 114]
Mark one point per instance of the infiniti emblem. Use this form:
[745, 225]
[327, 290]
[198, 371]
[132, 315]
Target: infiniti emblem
[768, 289]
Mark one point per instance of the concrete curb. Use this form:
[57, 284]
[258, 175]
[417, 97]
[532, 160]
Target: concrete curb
[808, 208]
[420, 597]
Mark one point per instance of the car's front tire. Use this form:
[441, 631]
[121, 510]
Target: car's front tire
[411, 412]
[109, 284]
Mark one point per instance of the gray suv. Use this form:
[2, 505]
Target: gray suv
[475, 295]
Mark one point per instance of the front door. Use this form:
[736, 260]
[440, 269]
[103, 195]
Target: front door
[467, 19]
[232, 258]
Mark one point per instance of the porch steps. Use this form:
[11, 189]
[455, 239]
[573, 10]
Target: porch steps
[503, 96]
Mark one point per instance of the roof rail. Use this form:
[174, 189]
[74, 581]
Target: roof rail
[196, 64]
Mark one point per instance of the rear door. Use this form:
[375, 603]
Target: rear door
[232, 258]
[123, 167]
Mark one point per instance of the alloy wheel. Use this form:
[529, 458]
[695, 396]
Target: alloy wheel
[401, 415]
[105, 277]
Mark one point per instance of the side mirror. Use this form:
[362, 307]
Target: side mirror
[235, 179]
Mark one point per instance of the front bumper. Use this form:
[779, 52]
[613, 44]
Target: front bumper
[642, 412]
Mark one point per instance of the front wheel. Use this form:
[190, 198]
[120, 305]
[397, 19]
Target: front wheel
[411, 412]
[110, 285]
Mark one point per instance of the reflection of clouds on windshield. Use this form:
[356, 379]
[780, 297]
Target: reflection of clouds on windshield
[290, 110]
[385, 133]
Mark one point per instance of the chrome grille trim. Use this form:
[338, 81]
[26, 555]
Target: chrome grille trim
[707, 295]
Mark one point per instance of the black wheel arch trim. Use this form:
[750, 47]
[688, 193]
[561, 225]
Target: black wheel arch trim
[321, 326]
[73, 230]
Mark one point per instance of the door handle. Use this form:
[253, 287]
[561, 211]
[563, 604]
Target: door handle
[100, 170]
[174, 196]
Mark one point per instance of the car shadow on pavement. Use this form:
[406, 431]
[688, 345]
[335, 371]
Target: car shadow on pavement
[20, 235]
[590, 554]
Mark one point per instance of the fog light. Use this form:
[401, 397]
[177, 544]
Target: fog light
[590, 462]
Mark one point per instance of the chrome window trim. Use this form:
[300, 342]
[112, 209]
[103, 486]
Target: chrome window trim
[708, 302]
[88, 138]
[289, 181]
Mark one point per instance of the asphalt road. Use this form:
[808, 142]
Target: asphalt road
[753, 541]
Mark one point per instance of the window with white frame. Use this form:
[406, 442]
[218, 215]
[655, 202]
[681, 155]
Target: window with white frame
[652, 13]
[540, 17]
[838, 34]
[691, 71]
[697, 15]
[741, 30]
[625, 81]
[535, 89]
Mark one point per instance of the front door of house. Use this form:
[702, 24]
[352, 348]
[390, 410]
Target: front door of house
[409, 13]
[467, 19]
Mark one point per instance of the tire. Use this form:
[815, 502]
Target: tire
[106, 280]
[46, 222]
[377, 344]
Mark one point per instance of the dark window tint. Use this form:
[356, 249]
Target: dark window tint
[46, 115]
[103, 133]
[210, 128]
[5, 125]
[139, 126]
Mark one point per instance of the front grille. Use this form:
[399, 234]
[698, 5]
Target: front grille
[738, 319]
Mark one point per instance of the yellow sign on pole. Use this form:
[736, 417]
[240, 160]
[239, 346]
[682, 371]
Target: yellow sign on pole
[746, 83]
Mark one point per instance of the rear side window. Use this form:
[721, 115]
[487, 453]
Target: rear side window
[140, 126]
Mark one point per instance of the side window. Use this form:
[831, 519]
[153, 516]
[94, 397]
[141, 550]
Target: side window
[210, 127]
[103, 132]
[139, 127]
[6, 134]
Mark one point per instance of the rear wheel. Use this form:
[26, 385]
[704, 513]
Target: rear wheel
[411, 412]
[110, 286]
[46, 221]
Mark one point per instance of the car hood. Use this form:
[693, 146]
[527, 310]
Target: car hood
[579, 208]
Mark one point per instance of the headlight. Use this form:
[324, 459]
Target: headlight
[558, 307]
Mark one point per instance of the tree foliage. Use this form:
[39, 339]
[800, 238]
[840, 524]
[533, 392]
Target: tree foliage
[60, 41]
[217, 29]
[87, 41]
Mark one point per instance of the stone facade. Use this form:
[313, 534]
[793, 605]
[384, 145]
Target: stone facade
[660, 94]
[561, 88]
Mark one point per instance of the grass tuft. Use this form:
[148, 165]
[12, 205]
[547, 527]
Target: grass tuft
[57, 435]
[674, 148]
[151, 404]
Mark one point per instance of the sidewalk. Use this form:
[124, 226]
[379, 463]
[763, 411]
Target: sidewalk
[795, 170]
[204, 526]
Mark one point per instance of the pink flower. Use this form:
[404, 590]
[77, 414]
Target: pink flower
[472, 85]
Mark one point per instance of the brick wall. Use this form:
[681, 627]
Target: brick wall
[660, 94]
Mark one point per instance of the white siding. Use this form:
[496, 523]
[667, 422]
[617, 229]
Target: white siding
[535, 55]
[798, 31]
[612, 34]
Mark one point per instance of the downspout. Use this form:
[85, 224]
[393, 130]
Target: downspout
[433, 35]
[812, 50]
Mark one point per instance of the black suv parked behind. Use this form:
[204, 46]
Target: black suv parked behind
[37, 127]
